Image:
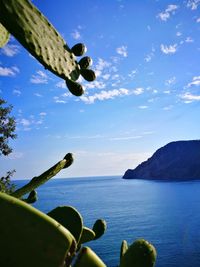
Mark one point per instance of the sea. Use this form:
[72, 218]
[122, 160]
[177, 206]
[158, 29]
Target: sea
[167, 214]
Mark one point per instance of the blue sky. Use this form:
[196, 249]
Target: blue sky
[146, 55]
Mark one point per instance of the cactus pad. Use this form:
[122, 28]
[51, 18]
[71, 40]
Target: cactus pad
[30, 237]
[4, 35]
[99, 228]
[87, 235]
[70, 218]
[87, 258]
[140, 254]
[30, 27]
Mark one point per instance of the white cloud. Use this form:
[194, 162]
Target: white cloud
[37, 94]
[43, 114]
[76, 34]
[198, 20]
[15, 155]
[165, 15]
[170, 81]
[195, 81]
[189, 40]
[171, 49]
[122, 50]
[138, 91]
[10, 50]
[17, 92]
[190, 97]
[104, 95]
[61, 84]
[125, 138]
[96, 84]
[39, 78]
[25, 122]
[193, 4]
[143, 107]
[4, 71]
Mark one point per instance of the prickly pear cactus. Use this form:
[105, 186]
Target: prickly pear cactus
[30, 27]
[70, 218]
[44, 177]
[99, 228]
[140, 254]
[30, 237]
[87, 235]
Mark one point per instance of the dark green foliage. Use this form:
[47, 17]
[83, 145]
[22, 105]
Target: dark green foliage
[87, 235]
[124, 248]
[7, 128]
[6, 186]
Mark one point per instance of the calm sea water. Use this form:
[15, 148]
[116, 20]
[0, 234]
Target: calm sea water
[165, 213]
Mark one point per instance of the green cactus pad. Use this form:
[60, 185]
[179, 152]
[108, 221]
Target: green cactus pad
[87, 258]
[70, 218]
[87, 235]
[140, 254]
[4, 35]
[79, 49]
[124, 248]
[32, 197]
[85, 62]
[88, 75]
[30, 237]
[99, 228]
[44, 177]
[74, 87]
[23, 20]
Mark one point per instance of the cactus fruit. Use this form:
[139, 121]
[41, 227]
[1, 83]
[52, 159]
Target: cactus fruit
[30, 27]
[74, 87]
[87, 258]
[87, 235]
[44, 177]
[99, 228]
[88, 75]
[70, 218]
[124, 248]
[85, 62]
[79, 49]
[4, 35]
[30, 237]
[140, 254]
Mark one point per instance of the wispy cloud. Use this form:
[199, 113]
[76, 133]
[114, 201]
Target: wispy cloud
[105, 95]
[76, 35]
[143, 107]
[39, 78]
[17, 92]
[12, 71]
[198, 20]
[195, 82]
[171, 49]
[170, 81]
[190, 97]
[193, 4]
[122, 50]
[125, 138]
[61, 84]
[10, 50]
[138, 91]
[166, 14]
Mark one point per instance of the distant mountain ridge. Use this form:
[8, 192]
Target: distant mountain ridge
[178, 160]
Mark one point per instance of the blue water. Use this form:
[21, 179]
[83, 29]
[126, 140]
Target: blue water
[165, 213]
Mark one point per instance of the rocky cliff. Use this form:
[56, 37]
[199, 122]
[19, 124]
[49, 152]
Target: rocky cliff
[178, 160]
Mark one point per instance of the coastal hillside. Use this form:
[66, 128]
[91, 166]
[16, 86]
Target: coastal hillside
[179, 160]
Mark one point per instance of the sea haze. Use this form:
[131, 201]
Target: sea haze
[165, 213]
